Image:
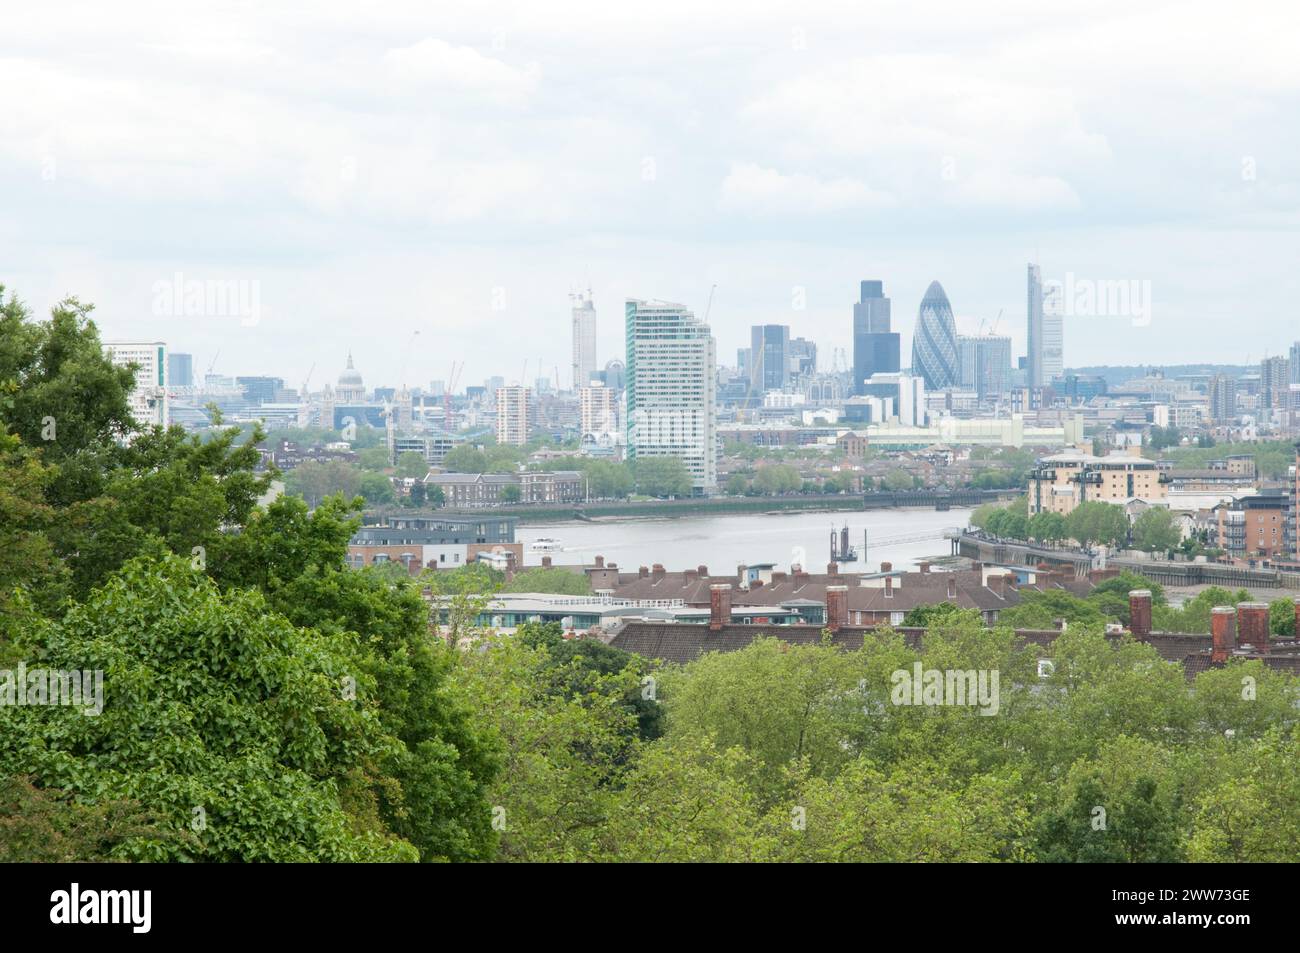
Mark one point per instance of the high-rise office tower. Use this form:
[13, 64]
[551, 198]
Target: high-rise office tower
[1046, 327]
[512, 414]
[148, 398]
[584, 339]
[180, 369]
[985, 363]
[672, 388]
[876, 348]
[1295, 363]
[769, 363]
[934, 343]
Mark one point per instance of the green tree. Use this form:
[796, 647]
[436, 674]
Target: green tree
[662, 476]
[1155, 530]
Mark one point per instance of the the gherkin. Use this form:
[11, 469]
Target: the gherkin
[934, 344]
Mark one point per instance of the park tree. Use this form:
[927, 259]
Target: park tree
[662, 476]
[1156, 530]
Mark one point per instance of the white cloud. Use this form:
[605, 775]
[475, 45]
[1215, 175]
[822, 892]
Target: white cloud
[752, 189]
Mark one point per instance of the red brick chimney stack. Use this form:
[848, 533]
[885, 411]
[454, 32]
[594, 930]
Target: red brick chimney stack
[1223, 632]
[1252, 625]
[886, 567]
[546, 562]
[600, 562]
[719, 605]
[837, 607]
[1139, 610]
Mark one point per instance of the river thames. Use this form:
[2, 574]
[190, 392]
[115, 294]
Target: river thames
[722, 543]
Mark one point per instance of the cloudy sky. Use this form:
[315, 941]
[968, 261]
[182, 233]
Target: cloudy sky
[367, 171]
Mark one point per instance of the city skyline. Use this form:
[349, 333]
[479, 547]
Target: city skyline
[782, 163]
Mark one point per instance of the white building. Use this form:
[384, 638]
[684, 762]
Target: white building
[512, 414]
[599, 408]
[584, 339]
[148, 400]
[671, 388]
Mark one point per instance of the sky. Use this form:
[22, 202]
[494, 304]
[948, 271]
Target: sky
[359, 173]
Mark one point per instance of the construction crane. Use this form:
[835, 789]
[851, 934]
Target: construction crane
[213, 362]
[302, 394]
[709, 307]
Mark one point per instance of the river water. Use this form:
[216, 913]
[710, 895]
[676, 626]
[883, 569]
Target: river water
[901, 536]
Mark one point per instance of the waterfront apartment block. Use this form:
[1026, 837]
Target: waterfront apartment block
[1062, 481]
[672, 388]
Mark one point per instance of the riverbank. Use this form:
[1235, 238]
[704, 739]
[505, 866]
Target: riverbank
[704, 507]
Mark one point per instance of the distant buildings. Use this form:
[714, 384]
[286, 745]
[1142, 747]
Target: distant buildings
[985, 362]
[489, 489]
[876, 348]
[584, 339]
[512, 414]
[934, 343]
[148, 399]
[672, 388]
[906, 394]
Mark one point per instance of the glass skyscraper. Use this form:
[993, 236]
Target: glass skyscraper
[876, 348]
[934, 343]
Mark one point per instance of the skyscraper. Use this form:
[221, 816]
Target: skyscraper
[1046, 327]
[876, 349]
[180, 369]
[769, 364]
[672, 388]
[934, 343]
[985, 363]
[584, 339]
[1295, 363]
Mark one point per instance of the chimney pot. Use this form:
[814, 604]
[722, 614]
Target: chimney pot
[703, 571]
[833, 569]
[546, 562]
[1139, 610]
[925, 567]
[600, 562]
[643, 571]
[1223, 632]
[837, 607]
[1252, 625]
[719, 605]
[886, 567]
